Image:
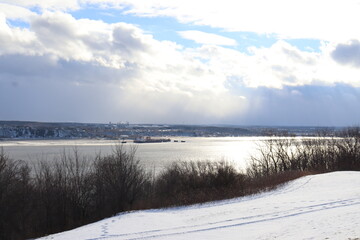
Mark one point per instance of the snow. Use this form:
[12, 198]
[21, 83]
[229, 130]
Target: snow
[324, 206]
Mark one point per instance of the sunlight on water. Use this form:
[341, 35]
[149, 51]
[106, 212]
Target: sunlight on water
[154, 156]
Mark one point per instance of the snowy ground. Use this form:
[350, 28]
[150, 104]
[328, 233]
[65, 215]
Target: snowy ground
[325, 206]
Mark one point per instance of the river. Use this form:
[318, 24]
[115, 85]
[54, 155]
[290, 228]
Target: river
[154, 156]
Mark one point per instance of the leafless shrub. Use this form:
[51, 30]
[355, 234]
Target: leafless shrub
[319, 154]
[15, 190]
[191, 182]
[62, 192]
[119, 181]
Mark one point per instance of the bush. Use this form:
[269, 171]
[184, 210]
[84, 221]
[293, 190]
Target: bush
[119, 181]
[193, 182]
[67, 192]
[321, 154]
[15, 190]
[62, 191]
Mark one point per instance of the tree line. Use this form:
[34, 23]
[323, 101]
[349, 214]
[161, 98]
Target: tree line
[72, 190]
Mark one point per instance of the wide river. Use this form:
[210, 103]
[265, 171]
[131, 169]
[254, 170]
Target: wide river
[154, 156]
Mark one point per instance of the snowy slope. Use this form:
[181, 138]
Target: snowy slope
[325, 206]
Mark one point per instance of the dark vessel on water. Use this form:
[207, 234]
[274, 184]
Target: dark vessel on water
[151, 140]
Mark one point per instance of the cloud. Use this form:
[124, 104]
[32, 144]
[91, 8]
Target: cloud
[88, 70]
[74, 91]
[16, 40]
[303, 105]
[136, 76]
[288, 20]
[275, 67]
[14, 12]
[348, 53]
[322, 19]
[46, 5]
[207, 38]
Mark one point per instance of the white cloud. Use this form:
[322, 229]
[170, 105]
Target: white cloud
[321, 19]
[326, 20]
[207, 38]
[278, 66]
[166, 66]
[16, 40]
[48, 4]
[14, 12]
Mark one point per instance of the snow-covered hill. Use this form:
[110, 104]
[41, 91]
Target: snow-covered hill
[325, 206]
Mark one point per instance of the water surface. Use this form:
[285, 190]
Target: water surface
[154, 156]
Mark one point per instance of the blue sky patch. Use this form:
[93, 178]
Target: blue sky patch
[18, 23]
[167, 29]
[308, 45]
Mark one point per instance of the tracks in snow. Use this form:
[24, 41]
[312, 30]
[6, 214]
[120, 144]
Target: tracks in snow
[231, 222]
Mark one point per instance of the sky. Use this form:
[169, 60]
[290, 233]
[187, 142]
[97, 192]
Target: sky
[256, 62]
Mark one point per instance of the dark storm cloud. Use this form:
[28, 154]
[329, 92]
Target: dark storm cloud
[45, 101]
[22, 65]
[304, 105]
[44, 88]
[347, 53]
[52, 69]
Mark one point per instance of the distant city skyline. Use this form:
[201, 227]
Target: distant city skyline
[290, 63]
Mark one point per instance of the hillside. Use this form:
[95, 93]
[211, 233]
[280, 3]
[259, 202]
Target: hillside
[324, 206]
